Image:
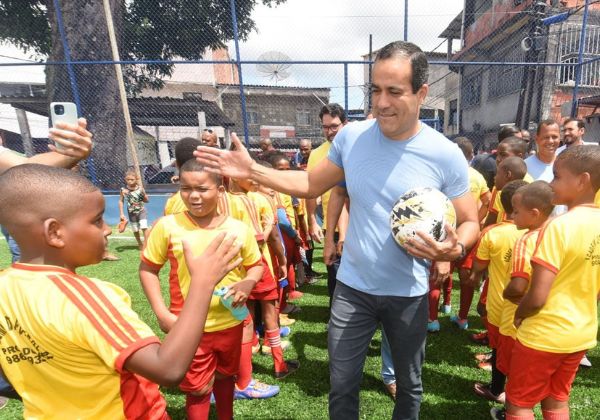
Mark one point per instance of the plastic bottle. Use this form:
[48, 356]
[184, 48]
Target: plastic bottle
[240, 313]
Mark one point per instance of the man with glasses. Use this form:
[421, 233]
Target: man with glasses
[209, 138]
[333, 118]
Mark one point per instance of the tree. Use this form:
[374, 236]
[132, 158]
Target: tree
[146, 30]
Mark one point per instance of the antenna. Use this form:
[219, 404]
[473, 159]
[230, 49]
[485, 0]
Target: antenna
[275, 67]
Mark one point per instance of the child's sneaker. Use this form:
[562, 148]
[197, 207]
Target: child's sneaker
[462, 324]
[480, 338]
[255, 390]
[3, 402]
[284, 331]
[267, 350]
[433, 326]
[585, 362]
[292, 366]
[285, 320]
[256, 348]
[498, 413]
[446, 309]
[483, 357]
[487, 366]
[484, 391]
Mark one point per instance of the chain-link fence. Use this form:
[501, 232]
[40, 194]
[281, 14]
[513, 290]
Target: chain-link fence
[264, 69]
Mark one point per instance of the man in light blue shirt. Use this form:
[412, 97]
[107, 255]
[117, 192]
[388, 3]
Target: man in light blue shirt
[378, 282]
[539, 166]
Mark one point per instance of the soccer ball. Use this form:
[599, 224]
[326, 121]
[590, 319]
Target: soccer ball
[421, 209]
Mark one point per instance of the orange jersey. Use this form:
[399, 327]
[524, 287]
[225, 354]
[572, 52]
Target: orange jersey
[64, 340]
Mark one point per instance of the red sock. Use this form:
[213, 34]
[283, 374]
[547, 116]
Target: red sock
[434, 300]
[448, 291]
[275, 343]
[244, 375]
[466, 298]
[529, 416]
[223, 390]
[197, 406]
[556, 414]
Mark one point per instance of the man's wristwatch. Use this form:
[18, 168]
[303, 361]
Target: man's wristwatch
[463, 251]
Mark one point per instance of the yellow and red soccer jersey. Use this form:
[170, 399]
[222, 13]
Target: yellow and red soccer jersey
[495, 247]
[284, 201]
[597, 198]
[174, 204]
[521, 267]
[164, 244]
[64, 340]
[477, 185]
[568, 246]
[496, 206]
[316, 156]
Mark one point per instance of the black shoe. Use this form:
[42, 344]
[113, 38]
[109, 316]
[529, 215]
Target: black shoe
[292, 366]
[498, 413]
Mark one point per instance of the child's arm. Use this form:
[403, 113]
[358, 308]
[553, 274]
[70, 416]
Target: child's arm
[242, 289]
[440, 272]
[151, 285]
[121, 209]
[145, 198]
[479, 267]
[535, 299]
[515, 289]
[167, 363]
[274, 241]
[485, 203]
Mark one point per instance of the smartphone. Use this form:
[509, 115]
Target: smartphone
[64, 112]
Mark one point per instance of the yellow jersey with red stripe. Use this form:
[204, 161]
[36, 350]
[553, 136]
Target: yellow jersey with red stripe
[316, 156]
[495, 247]
[284, 201]
[64, 340]
[520, 267]
[597, 198]
[174, 204]
[496, 206]
[164, 243]
[477, 184]
[568, 246]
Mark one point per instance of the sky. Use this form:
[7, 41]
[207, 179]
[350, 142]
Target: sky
[316, 30]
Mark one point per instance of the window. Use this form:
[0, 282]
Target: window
[471, 90]
[453, 114]
[568, 52]
[253, 117]
[507, 79]
[303, 117]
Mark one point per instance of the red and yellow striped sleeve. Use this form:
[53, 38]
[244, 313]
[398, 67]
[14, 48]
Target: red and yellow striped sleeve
[549, 252]
[521, 256]
[156, 249]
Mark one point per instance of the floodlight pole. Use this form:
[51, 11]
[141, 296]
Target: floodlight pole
[579, 59]
[236, 40]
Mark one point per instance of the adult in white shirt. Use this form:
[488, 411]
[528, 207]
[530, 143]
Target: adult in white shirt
[539, 166]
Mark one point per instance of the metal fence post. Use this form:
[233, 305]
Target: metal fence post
[579, 60]
[236, 40]
[346, 87]
[72, 79]
[405, 20]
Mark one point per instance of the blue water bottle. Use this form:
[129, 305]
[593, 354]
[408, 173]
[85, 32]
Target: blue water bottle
[240, 313]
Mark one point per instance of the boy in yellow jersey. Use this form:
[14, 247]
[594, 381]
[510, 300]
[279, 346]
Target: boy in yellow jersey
[217, 358]
[532, 205]
[482, 195]
[184, 150]
[510, 169]
[71, 346]
[493, 253]
[557, 318]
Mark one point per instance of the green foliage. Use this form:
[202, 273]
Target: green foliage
[149, 30]
[448, 373]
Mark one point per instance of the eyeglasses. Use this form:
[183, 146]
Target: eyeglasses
[332, 127]
[209, 130]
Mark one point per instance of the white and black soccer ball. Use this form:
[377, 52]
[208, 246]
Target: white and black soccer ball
[421, 209]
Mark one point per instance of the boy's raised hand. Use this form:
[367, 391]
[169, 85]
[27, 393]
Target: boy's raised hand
[219, 258]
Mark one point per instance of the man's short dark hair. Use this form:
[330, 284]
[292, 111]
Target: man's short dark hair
[192, 165]
[516, 145]
[333, 110]
[545, 123]
[418, 60]
[508, 131]
[184, 150]
[465, 145]
[537, 195]
[580, 123]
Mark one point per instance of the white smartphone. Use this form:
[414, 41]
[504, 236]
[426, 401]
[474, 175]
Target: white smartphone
[63, 112]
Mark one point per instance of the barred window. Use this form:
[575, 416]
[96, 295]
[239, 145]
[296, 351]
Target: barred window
[471, 91]
[506, 79]
[568, 52]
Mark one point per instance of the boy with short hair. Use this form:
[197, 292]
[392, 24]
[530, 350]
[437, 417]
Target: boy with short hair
[509, 169]
[494, 253]
[72, 345]
[135, 197]
[557, 318]
[217, 358]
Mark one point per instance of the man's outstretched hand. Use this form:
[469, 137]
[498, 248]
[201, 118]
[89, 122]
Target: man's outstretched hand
[235, 163]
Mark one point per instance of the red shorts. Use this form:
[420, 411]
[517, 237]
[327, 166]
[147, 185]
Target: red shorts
[272, 294]
[218, 351]
[266, 283]
[483, 295]
[493, 335]
[467, 261]
[535, 375]
[504, 353]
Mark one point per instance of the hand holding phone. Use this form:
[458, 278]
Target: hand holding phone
[69, 133]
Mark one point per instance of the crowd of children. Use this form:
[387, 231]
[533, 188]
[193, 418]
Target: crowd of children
[234, 248]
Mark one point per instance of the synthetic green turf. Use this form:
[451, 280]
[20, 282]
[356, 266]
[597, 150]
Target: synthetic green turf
[448, 373]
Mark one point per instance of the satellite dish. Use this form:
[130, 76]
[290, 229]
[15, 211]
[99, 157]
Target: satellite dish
[275, 67]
